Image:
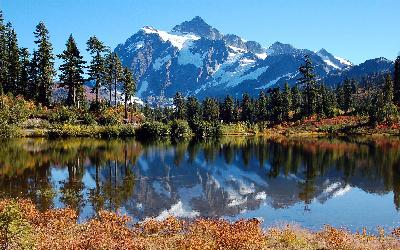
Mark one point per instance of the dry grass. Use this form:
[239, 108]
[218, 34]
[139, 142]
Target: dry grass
[24, 227]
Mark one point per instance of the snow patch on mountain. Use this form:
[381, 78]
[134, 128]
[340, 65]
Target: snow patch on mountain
[344, 61]
[187, 57]
[176, 40]
[233, 78]
[262, 55]
[143, 88]
[160, 62]
[261, 196]
[330, 63]
[273, 82]
[135, 46]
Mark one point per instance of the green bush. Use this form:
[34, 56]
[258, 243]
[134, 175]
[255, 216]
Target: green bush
[180, 130]
[152, 131]
[69, 130]
[109, 118]
[97, 106]
[110, 131]
[63, 115]
[88, 119]
[14, 112]
[8, 131]
[127, 131]
[204, 129]
[19, 112]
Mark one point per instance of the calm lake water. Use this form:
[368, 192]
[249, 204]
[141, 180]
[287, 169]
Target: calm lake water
[310, 182]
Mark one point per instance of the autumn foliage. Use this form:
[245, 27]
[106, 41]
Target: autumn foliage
[22, 226]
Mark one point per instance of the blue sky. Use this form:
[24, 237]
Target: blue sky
[355, 29]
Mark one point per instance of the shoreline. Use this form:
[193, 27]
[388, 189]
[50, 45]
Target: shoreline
[27, 227]
[120, 131]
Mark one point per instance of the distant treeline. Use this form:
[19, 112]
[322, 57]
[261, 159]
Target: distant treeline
[378, 98]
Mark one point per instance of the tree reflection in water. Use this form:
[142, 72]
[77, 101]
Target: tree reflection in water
[212, 178]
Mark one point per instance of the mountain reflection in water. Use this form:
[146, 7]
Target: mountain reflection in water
[347, 182]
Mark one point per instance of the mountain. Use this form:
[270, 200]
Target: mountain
[197, 59]
[369, 68]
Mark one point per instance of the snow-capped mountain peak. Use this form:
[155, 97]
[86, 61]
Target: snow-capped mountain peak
[198, 27]
[196, 59]
[176, 40]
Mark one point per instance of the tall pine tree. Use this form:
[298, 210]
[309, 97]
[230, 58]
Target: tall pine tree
[24, 71]
[309, 85]
[13, 65]
[397, 80]
[114, 74]
[210, 110]
[286, 102]
[296, 101]
[385, 110]
[228, 109]
[247, 106]
[3, 54]
[262, 107]
[33, 84]
[193, 110]
[129, 88]
[180, 106]
[45, 64]
[72, 72]
[96, 67]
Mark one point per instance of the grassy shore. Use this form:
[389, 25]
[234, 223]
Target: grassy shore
[338, 126]
[23, 226]
[312, 127]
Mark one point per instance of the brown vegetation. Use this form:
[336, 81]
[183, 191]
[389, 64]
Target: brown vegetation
[22, 226]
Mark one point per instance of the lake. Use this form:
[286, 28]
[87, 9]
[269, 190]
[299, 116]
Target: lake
[346, 182]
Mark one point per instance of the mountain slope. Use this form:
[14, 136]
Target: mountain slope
[197, 59]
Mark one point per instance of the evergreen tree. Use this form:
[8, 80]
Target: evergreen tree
[24, 72]
[262, 107]
[96, 67]
[3, 54]
[228, 109]
[275, 104]
[296, 100]
[375, 106]
[309, 85]
[389, 111]
[180, 106]
[193, 110]
[388, 90]
[129, 87]
[72, 71]
[383, 108]
[33, 84]
[340, 96]
[148, 112]
[247, 107]
[319, 103]
[45, 64]
[286, 102]
[346, 92]
[13, 65]
[210, 110]
[328, 102]
[397, 80]
[114, 74]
